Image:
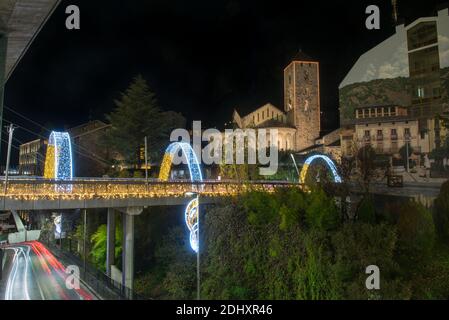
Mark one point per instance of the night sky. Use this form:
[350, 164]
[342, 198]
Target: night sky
[201, 58]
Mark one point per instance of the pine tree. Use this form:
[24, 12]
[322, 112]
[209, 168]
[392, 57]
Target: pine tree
[137, 114]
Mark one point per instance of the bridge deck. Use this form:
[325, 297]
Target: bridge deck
[107, 193]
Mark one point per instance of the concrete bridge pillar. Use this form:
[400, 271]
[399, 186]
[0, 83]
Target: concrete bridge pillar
[128, 246]
[110, 242]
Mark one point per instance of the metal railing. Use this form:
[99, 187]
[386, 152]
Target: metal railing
[99, 282]
[40, 189]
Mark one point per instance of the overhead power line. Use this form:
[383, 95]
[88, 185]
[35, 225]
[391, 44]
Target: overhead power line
[48, 130]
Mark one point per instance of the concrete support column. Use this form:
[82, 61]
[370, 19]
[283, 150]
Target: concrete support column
[128, 246]
[110, 243]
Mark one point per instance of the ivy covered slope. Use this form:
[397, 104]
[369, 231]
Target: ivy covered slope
[295, 245]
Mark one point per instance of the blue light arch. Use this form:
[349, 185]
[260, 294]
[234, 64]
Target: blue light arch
[192, 211]
[190, 156]
[330, 164]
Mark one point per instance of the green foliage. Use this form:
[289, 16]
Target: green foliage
[292, 244]
[137, 114]
[261, 209]
[315, 279]
[366, 211]
[321, 212]
[359, 245]
[416, 229]
[441, 212]
[99, 245]
[124, 174]
[138, 174]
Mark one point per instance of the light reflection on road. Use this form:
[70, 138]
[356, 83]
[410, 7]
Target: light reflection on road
[32, 272]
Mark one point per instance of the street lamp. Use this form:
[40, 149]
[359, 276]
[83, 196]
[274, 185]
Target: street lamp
[10, 129]
[192, 217]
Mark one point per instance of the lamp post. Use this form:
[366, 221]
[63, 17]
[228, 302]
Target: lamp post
[296, 167]
[198, 275]
[11, 129]
[146, 159]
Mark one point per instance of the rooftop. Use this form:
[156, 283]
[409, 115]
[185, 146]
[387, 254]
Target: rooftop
[22, 20]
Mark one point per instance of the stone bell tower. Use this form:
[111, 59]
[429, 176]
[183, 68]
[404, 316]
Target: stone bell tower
[302, 99]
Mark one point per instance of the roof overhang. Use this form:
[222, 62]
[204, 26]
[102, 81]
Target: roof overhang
[22, 20]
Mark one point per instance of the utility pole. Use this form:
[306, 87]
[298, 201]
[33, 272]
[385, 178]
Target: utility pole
[406, 147]
[146, 159]
[84, 240]
[1, 263]
[198, 285]
[10, 129]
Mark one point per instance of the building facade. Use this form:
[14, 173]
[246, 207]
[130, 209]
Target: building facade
[408, 72]
[89, 151]
[32, 158]
[299, 124]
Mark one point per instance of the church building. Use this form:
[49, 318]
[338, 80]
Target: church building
[299, 123]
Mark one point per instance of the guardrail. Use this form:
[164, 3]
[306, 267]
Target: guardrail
[98, 281]
[22, 189]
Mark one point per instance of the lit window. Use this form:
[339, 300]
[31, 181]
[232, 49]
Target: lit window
[421, 92]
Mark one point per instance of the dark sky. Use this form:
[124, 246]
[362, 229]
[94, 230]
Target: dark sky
[201, 58]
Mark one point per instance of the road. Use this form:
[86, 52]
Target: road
[410, 189]
[31, 272]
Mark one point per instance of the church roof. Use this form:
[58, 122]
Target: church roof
[273, 123]
[301, 56]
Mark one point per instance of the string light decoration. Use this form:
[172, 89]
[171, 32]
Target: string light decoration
[191, 217]
[192, 209]
[329, 162]
[190, 156]
[58, 160]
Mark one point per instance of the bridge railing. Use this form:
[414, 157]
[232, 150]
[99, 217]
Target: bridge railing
[139, 188]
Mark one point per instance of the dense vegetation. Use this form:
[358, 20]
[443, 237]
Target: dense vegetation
[296, 245]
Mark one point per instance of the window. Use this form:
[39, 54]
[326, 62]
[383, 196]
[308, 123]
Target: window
[420, 92]
[394, 134]
[407, 134]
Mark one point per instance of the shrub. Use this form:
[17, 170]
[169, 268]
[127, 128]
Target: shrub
[321, 212]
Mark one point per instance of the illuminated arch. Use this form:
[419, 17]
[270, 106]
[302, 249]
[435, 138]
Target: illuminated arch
[192, 210]
[191, 218]
[190, 156]
[329, 163]
[58, 160]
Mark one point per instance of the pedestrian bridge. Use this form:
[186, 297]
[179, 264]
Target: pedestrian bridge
[44, 194]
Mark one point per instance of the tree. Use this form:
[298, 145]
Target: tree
[99, 245]
[415, 228]
[137, 114]
[441, 212]
[405, 153]
[366, 156]
[366, 211]
[321, 213]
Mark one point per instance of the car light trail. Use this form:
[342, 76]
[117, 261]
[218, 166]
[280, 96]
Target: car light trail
[19, 253]
[46, 272]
